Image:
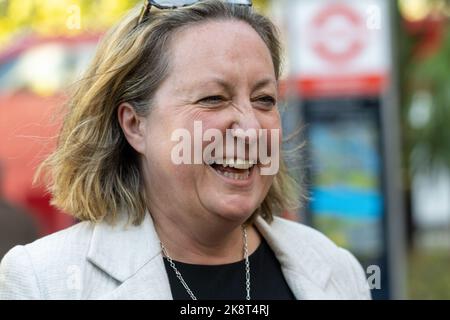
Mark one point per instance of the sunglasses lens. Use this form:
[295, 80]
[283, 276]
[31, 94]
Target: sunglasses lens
[244, 2]
[174, 3]
[181, 3]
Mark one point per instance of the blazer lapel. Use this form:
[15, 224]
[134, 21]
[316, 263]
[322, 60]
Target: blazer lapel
[305, 272]
[149, 283]
[132, 256]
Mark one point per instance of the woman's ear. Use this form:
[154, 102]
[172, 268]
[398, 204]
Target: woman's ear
[133, 126]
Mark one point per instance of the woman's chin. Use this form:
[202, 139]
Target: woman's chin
[234, 207]
[236, 213]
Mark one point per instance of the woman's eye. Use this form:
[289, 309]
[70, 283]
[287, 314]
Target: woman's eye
[212, 100]
[267, 101]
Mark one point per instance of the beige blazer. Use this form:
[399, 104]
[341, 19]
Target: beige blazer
[99, 261]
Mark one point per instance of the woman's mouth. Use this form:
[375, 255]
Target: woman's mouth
[237, 169]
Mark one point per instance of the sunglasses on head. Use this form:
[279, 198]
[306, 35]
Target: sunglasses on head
[172, 4]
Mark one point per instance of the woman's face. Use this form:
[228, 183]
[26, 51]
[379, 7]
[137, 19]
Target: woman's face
[221, 75]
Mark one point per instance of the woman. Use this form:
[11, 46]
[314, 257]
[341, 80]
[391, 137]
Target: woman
[155, 228]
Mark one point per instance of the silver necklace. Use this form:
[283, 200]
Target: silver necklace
[189, 291]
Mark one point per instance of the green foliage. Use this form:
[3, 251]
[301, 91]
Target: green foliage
[58, 17]
[428, 145]
[64, 17]
[429, 276]
[433, 75]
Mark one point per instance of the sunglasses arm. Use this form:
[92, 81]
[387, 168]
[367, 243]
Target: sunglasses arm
[144, 11]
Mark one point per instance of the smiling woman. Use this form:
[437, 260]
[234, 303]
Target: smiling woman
[155, 229]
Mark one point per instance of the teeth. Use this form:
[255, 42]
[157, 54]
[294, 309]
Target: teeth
[229, 162]
[238, 163]
[243, 166]
[235, 176]
[232, 163]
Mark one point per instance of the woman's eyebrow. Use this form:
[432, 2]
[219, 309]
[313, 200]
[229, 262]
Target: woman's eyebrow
[229, 86]
[219, 81]
[264, 82]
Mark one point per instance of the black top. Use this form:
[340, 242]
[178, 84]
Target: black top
[227, 281]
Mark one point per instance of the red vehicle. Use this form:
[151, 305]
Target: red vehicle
[33, 73]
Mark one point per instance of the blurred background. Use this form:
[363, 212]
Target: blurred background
[365, 82]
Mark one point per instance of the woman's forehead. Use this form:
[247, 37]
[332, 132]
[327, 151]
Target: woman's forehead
[220, 49]
[213, 41]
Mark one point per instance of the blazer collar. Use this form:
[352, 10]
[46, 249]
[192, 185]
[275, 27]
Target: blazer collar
[304, 269]
[132, 256]
[122, 249]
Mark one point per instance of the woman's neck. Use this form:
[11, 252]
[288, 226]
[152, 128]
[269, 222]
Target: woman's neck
[204, 242]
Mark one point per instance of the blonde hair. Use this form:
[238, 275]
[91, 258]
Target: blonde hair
[94, 172]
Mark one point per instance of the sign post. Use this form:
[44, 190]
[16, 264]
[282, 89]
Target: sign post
[340, 56]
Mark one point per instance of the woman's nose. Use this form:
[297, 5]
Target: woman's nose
[246, 126]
